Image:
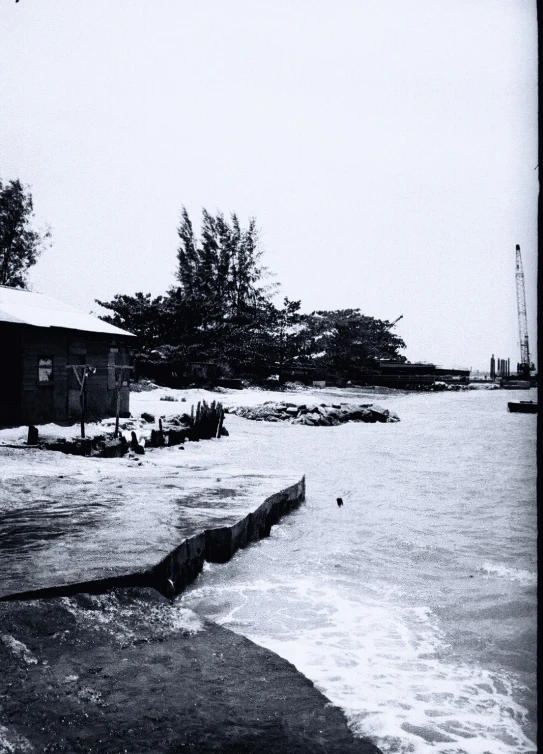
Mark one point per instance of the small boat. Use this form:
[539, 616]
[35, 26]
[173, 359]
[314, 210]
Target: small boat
[522, 407]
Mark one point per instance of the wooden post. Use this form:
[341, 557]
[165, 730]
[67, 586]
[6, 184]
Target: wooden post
[118, 380]
[32, 436]
[82, 400]
[82, 382]
[220, 420]
[160, 432]
[82, 404]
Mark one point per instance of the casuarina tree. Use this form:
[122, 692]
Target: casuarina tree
[221, 296]
[20, 243]
[283, 328]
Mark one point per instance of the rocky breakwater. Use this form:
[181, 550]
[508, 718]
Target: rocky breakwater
[316, 415]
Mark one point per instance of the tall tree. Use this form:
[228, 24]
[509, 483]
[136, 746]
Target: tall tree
[221, 291]
[20, 244]
[187, 254]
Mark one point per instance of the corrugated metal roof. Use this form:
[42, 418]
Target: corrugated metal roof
[29, 308]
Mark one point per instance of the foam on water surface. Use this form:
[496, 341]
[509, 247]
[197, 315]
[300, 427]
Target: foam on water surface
[13, 743]
[387, 666]
[500, 570]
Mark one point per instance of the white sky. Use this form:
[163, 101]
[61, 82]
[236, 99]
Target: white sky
[386, 147]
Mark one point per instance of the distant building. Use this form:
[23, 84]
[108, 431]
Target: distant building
[444, 374]
[45, 346]
[404, 375]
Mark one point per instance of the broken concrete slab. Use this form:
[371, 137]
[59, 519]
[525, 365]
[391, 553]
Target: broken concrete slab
[130, 672]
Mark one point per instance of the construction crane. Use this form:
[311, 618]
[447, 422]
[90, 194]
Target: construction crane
[523, 367]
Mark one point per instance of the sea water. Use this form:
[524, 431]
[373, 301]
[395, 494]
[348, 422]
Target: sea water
[412, 607]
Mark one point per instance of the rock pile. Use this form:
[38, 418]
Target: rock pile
[439, 386]
[315, 415]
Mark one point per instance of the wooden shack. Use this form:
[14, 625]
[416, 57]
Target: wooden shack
[56, 360]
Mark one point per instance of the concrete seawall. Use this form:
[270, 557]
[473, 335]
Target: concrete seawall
[185, 562]
[181, 566]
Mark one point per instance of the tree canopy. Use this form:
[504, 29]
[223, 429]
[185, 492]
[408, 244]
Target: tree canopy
[20, 243]
[349, 341]
[139, 314]
[221, 311]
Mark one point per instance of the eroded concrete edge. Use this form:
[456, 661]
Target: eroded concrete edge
[181, 566]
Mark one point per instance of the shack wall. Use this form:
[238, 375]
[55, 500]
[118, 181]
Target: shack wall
[57, 399]
[44, 402]
[11, 370]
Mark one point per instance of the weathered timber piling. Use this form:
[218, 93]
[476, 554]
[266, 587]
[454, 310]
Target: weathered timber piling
[33, 436]
[206, 422]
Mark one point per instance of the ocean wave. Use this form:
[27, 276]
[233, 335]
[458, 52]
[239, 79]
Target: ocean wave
[386, 665]
[374, 601]
[521, 575]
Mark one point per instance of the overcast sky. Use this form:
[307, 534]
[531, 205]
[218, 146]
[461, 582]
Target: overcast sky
[386, 147]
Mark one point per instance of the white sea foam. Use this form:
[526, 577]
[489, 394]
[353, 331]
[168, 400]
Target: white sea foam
[387, 666]
[13, 743]
[521, 575]
[185, 620]
[122, 620]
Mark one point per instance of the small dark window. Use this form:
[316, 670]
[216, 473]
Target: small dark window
[45, 370]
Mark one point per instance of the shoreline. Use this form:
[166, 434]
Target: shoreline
[102, 667]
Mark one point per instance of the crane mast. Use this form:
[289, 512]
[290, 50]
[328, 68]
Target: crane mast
[524, 365]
